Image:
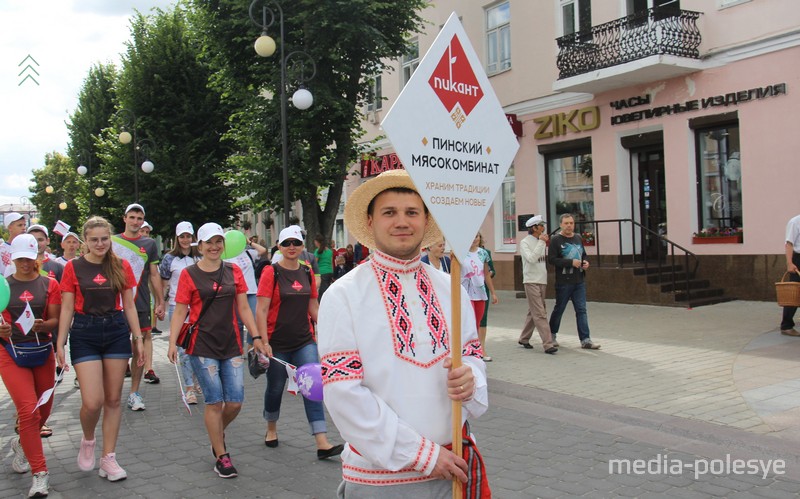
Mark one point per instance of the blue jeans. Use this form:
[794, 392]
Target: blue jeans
[276, 384]
[222, 380]
[576, 293]
[183, 359]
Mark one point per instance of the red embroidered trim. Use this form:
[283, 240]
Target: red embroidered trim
[473, 349]
[341, 366]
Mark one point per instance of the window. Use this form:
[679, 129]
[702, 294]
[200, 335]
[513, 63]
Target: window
[569, 187]
[719, 177]
[375, 95]
[410, 60]
[498, 38]
[635, 6]
[506, 216]
[576, 15]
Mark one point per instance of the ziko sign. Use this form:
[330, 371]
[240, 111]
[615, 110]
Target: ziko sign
[452, 136]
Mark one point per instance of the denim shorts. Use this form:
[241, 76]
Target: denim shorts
[222, 380]
[99, 337]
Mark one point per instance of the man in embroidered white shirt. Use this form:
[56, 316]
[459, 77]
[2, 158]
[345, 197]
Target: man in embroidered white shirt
[384, 343]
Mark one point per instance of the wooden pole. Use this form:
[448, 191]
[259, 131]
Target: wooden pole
[455, 354]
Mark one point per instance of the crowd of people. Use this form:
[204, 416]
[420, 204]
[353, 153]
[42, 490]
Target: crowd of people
[93, 309]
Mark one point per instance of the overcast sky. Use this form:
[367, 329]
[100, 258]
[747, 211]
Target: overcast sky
[65, 37]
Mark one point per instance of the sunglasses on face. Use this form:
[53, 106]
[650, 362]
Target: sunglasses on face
[291, 242]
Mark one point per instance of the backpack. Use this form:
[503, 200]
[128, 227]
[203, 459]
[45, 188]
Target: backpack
[259, 267]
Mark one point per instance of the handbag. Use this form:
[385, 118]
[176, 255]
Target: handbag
[189, 329]
[477, 486]
[257, 363]
[29, 356]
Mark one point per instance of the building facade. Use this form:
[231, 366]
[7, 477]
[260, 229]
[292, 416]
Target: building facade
[664, 126]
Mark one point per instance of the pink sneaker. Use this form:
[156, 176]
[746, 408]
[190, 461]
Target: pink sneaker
[86, 455]
[110, 469]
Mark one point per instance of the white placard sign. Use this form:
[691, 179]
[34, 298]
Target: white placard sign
[451, 133]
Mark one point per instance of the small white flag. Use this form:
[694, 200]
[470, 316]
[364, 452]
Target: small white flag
[48, 393]
[292, 372]
[26, 319]
[61, 228]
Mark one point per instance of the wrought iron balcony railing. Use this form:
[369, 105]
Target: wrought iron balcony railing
[656, 31]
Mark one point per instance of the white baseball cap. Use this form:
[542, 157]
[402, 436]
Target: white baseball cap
[24, 246]
[290, 232]
[208, 231]
[71, 234]
[38, 227]
[184, 228]
[134, 206]
[145, 224]
[534, 220]
[10, 218]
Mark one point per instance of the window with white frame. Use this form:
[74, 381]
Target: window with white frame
[410, 60]
[375, 95]
[639, 6]
[569, 187]
[498, 38]
[576, 16]
[506, 216]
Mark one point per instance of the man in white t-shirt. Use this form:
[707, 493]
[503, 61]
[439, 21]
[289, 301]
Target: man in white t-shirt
[15, 225]
[792, 251]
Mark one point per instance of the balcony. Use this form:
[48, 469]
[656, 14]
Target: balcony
[647, 46]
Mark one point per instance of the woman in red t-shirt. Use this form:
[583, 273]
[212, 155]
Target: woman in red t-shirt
[29, 320]
[286, 308]
[215, 350]
[97, 298]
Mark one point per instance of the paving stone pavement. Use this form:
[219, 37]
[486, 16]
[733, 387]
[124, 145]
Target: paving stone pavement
[555, 422]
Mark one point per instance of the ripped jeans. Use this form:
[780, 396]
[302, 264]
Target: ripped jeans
[222, 380]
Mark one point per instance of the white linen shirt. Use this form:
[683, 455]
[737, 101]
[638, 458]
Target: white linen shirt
[534, 260]
[793, 233]
[384, 332]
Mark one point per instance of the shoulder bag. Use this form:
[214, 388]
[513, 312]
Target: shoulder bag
[189, 329]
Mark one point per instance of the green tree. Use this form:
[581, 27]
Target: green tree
[96, 106]
[165, 84]
[348, 40]
[59, 173]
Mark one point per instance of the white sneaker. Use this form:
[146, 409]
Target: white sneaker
[20, 463]
[135, 402]
[41, 485]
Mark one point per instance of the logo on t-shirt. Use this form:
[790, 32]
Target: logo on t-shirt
[26, 296]
[297, 286]
[142, 250]
[99, 279]
[6, 259]
[51, 274]
[215, 286]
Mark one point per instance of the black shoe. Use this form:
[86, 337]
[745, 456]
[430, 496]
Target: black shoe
[551, 350]
[526, 345]
[224, 467]
[150, 377]
[156, 331]
[333, 451]
[271, 443]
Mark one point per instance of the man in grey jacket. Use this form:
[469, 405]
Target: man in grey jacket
[534, 277]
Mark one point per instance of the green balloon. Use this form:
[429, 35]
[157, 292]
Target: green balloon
[5, 293]
[235, 242]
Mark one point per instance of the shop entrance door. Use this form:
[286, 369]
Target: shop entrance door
[652, 201]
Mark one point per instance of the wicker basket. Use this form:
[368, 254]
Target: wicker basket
[788, 292]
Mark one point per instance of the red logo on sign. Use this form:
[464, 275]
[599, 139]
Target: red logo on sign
[455, 83]
[297, 286]
[26, 296]
[99, 279]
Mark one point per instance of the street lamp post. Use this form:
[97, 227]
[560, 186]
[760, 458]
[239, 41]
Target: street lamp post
[301, 99]
[145, 146]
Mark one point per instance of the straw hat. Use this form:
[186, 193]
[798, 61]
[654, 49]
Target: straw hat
[355, 211]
